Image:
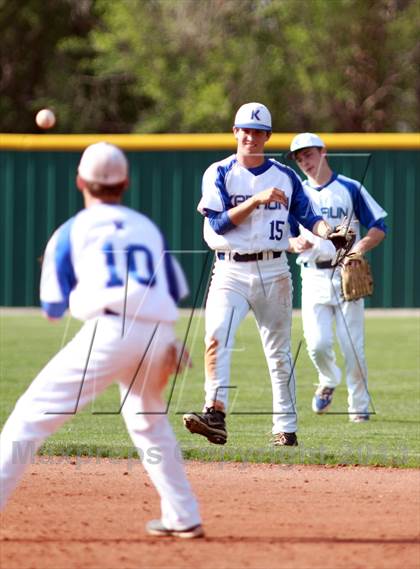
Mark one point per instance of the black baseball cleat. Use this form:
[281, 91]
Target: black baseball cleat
[210, 424]
[157, 529]
[285, 440]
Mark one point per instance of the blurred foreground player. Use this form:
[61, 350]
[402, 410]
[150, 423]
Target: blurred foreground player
[127, 336]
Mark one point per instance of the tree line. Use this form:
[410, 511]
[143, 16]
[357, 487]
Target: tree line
[143, 66]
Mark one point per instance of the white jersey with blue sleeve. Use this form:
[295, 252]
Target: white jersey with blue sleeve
[111, 257]
[227, 184]
[343, 197]
[340, 197]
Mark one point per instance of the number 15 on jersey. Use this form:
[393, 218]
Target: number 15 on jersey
[276, 230]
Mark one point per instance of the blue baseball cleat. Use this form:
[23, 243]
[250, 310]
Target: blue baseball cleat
[322, 399]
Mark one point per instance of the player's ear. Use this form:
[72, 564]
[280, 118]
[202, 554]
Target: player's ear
[79, 183]
[268, 135]
[235, 132]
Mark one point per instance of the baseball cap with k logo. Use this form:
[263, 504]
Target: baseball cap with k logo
[253, 115]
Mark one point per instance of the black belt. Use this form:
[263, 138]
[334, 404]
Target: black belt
[247, 257]
[321, 265]
[109, 312]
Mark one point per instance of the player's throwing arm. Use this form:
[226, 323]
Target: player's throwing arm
[241, 212]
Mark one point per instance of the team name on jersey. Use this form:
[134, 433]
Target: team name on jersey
[334, 213]
[239, 198]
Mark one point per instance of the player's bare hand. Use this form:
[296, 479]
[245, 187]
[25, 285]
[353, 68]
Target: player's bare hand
[272, 195]
[299, 244]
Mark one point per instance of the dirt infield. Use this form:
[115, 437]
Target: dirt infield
[91, 514]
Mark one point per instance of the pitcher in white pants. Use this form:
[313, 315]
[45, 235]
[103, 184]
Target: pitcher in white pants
[263, 287]
[127, 337]
[246, 201]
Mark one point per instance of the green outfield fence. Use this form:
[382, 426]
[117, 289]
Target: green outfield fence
[37, 174]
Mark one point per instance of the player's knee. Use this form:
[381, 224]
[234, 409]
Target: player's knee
[145, 423]
[218, 339]
[318, 347]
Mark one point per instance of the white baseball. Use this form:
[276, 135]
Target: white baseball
[45, 118]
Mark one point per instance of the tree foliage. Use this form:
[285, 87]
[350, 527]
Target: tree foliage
[186, 65]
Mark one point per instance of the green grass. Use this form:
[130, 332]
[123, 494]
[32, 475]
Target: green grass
[391, 438]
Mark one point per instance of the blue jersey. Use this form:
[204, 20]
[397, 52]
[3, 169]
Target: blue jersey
[110, 257]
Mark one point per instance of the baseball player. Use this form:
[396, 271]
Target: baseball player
[246, 200]
[338, 197]
[109, 266]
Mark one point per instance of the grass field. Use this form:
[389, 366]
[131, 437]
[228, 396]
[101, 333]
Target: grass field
[391, 438]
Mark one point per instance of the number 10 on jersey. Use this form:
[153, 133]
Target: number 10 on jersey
[130, 253]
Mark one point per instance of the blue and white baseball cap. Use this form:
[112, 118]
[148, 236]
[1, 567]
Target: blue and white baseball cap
[304, 140]
[103, 163]
[253, 115]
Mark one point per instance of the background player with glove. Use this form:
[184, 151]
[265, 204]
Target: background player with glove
[127, 336]
[325, 288]
[246, 201]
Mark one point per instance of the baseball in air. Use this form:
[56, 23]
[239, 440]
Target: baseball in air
[45, 119]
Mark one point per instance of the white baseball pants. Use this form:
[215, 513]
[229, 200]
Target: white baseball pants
[140, 362]
[321, 308]
[265, 288]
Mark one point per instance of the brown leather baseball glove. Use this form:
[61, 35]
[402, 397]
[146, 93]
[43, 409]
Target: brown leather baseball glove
[356, 277]
[343, 238]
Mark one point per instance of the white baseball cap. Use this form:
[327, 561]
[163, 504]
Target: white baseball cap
[103, 163]
[253, 115]
[304, 140]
